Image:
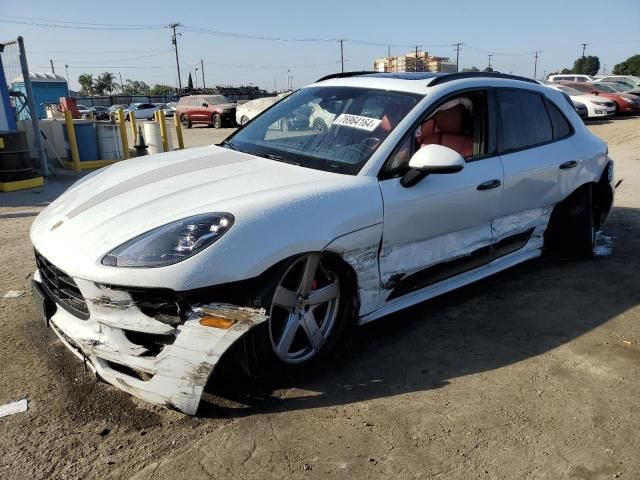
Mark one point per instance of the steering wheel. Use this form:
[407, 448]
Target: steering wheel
[367, 144]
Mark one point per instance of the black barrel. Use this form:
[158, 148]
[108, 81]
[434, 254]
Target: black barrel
[15, 163]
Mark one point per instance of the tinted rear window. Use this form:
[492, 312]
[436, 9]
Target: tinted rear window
[561, 126]
[524, 120]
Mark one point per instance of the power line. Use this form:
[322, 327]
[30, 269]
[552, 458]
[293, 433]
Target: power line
[78, 27]
[50, 20]
[129, 59]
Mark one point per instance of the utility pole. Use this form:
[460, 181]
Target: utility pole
[174, 41]
[66, 69]
[535, 64]
[196, 77]
[584, 46]
[415, 64]
[53, 70]
[342, 55]
[457, 45]
[121, 84]
[202, 70]
[490, 55]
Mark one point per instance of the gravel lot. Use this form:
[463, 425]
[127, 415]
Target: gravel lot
[534, 373]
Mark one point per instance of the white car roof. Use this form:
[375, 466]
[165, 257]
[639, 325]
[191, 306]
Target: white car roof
[422, 82]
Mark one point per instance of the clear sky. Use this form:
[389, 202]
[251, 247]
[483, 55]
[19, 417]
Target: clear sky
[511, 30]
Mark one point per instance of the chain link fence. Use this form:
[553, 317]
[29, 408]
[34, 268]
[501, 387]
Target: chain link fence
[13, 62]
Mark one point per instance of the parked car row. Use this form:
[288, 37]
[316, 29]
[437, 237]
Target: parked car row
[600, 97]
[142, 111]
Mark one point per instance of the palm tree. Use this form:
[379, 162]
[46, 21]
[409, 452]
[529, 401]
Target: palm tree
[86, 84]
[105, 83]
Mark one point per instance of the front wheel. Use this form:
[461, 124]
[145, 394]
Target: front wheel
[216, 121]
[185, 122]
[310, 301]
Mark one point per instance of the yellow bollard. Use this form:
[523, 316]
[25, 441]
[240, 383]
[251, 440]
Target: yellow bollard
[176, 120]
[73, 143]
[123, 135]
[134, 131]
[163, 131]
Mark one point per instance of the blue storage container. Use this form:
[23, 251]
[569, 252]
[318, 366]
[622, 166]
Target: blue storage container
[47, 88]
[86, 139]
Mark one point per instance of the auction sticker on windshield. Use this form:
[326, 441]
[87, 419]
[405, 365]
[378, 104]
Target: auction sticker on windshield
[356, 121]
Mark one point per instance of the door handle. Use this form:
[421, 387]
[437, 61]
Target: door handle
[489, 184]
[568, 165]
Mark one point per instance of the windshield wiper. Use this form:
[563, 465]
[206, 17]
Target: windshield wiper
[231, 146]
[278, 158]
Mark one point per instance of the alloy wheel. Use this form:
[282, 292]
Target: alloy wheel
[303, 310]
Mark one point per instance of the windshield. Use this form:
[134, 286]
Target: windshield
[335, 129]
[569, 90]
[604, 88]
[218, 100]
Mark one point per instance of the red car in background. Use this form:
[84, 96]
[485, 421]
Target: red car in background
[625, 103]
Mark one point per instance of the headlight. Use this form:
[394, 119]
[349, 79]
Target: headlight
[170, 243]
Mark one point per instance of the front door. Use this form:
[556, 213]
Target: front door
[441, 226]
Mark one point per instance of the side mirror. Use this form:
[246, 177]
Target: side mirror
[205, 104]
[432, 159]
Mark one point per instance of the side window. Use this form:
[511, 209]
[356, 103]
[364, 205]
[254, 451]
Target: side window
[561, 126]
[459, 123]
[523, 119]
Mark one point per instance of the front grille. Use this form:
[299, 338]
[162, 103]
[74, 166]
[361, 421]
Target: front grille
[61, 288]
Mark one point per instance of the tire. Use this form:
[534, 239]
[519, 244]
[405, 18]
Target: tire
[572, 228]
[244, 120]
[185, 122]
[299, 334]
[216, 121]
[319, 125]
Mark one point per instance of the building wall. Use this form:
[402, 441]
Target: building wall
[410, 63]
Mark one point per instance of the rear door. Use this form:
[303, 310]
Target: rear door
[536, 160]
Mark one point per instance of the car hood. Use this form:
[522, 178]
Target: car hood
[590, 98]
[113, 205]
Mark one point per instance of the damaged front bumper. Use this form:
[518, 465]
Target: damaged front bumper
[139, 344]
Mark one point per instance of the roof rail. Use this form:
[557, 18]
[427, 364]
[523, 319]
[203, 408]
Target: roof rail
[345, 75]
[461, 75]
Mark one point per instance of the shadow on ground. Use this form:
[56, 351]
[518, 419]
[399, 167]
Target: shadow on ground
[511, 317]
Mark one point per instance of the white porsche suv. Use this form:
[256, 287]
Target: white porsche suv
[270, 244]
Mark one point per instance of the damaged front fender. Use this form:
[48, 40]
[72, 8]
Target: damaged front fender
[152, 360]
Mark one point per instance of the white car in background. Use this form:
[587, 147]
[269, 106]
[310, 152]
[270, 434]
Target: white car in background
[598, 107]
[144, 111]
[630, 79]
[252, 108]
[570, 78]
[270, 245]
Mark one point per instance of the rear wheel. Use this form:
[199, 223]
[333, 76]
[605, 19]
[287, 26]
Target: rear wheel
[572, 227]
[216, 121]
[310, 301]
[185, 122]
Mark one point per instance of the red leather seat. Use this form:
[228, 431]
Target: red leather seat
[449, 131]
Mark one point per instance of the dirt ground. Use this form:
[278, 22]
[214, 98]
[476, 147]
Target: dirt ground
[531, 374]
